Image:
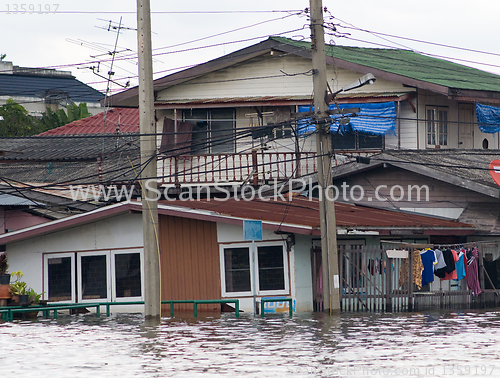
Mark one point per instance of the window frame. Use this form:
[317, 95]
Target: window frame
[209, 120]
[338, 141]
[46, 258]
[439, 133]
[254, 270]
[79, 256]
[113, 274]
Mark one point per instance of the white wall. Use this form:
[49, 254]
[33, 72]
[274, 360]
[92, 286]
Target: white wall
[299, 261]
[264, 76]
[124, 231]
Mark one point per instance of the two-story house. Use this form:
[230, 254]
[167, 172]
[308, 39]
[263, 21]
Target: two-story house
[211, 115]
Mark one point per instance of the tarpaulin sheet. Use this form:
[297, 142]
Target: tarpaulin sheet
[488, 118]
[373, 118]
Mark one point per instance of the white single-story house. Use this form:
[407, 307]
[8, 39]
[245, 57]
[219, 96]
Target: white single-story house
[98, 255]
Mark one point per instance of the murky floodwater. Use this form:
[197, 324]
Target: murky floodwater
[452, 344]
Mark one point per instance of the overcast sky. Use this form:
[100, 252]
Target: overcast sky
[69, 38]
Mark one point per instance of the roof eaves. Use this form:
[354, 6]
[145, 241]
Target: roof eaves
[124, 98]
[441, 176]
[64, 223]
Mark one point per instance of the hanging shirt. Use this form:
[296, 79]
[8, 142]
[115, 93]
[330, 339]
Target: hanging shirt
[440, 260]
[428, 261]
[453, 274]
[461, 266]
[472, 273]
[417, 270]
[449, 259]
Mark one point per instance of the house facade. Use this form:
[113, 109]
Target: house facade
[98, 255]
[38, 88]
[214, 116]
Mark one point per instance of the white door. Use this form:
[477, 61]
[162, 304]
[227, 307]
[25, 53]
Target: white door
[465, 127]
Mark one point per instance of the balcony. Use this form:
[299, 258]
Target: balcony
[254, 167]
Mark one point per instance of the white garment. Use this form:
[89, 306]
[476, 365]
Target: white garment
[440, 260]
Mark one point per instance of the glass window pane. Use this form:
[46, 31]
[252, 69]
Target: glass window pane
[237, 269]
[431, 127]
[94, 277]
[271, 268]
[222, 131]
[128, 275]
[346, 141]
[59, 279]
[199, 119]
[366, 140]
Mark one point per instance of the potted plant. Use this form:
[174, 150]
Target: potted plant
[4, 276]
[34, 297]
[4, 280]
[20, 288]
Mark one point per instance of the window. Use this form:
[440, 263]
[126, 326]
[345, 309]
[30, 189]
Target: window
[437, 126]
[269, 273]
[271, 268]
[356, 140]
[237, 269]
[60, 277]
[94, 276]
[128, 275]
[213, 130]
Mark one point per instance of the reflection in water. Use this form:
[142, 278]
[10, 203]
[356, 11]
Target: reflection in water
[349, 345]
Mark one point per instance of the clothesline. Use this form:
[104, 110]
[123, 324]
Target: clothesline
[430, 245]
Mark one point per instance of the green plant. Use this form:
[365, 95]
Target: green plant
[3, 263]
[33, 296]
[18, 287]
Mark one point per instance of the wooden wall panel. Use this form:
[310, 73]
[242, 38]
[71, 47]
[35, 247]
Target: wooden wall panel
[190, 267]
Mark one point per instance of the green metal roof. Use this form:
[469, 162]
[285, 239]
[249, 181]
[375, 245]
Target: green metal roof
[410, 64]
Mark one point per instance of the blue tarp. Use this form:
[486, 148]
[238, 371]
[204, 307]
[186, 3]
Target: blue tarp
[373, 118]
[488, 118]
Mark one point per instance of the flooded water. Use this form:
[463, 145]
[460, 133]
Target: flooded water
[452, 344]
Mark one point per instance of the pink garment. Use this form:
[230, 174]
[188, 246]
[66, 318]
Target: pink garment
[452, 275]
[472, 273]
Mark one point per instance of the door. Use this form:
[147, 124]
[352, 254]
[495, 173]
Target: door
[465, 126]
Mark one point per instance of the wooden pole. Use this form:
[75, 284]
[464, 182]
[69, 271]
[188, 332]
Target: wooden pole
[152, 292]
[331, 281]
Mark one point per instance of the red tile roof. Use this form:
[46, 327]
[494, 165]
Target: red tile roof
[123, 120]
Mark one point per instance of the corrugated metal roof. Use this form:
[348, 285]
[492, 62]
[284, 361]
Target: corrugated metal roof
[67, 148]
[9, 200]
[73, 159]
[39, 86]
[115, 120]
[302, 211]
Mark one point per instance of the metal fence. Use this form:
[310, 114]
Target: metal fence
[373, 282]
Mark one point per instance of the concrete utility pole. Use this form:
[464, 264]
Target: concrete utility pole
[152, 290]
[329, 254]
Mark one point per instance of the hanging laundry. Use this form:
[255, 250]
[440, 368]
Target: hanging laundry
[449, 259]
[452, 275]
[429, 259]
[417, 269]
[440, 260]
[472, 273]
[461, 274]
